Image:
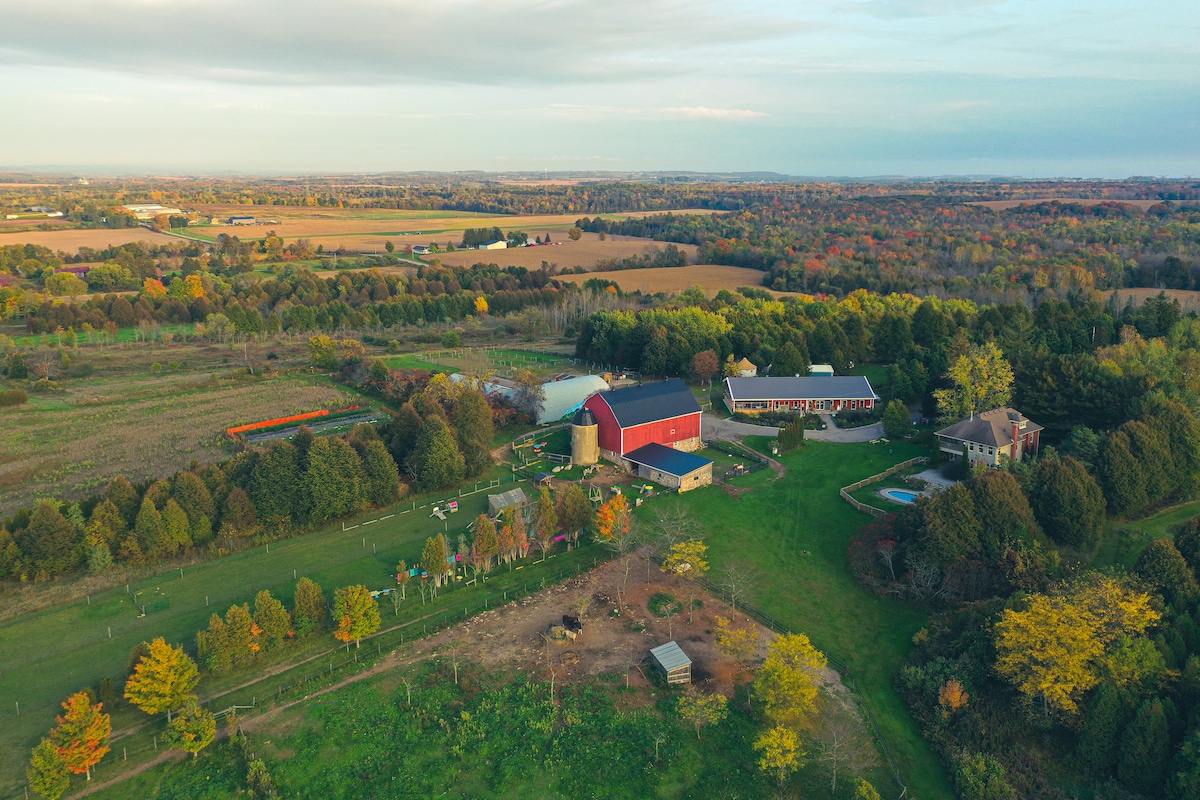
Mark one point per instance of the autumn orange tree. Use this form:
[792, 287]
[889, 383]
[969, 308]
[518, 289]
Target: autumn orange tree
[615, 531]
[356, 613]
[81, 737]
[163, 679]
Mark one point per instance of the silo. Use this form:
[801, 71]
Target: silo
[585, 439]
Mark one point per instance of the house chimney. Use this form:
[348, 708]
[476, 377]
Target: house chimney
[1016, 433]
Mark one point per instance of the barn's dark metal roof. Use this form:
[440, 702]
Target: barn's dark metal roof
[670, 656]
[667, 459]
[650, 402]
[846, 387]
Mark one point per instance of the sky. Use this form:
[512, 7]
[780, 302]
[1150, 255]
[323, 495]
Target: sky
[1052, 88]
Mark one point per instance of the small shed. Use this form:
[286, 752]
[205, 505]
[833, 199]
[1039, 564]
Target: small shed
[746, 368]
[513, 497]
[820, 370]
[674, 663]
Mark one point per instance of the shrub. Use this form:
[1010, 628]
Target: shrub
[13, 397]
[662, 603]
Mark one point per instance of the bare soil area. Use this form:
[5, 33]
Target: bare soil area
[69, 241]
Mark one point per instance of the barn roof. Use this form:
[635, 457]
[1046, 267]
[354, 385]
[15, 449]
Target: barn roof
[667, 459]
[650, 402]
[670, 656]
[845, 387]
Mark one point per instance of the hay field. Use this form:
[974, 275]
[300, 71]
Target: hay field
[69, 241]
[566, 254]
[1004, 205]
[69, 444]
[713, 277]
[1189, 301]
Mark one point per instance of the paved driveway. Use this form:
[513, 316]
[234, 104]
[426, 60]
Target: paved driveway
[728, 430]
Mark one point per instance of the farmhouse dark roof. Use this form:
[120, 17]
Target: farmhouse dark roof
[667, 459]
[584, 417]
[992, 428]
[637, 405]
[845, 387]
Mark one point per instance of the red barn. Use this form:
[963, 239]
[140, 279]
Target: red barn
[663, 413]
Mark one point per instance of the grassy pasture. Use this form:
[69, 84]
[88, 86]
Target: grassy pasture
[1124, 540]
[48, 655]
[501, 361]
[69, 444]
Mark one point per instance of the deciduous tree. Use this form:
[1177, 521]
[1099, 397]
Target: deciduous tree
[163, 679]
[575, 512]
[82, 733]
[896, 422]
[434, 559]
[47, 773]
[788, 679]
[308, 607]
[356, 613]
[545, 522]
[193, 728]
[781, 753]
[699, 710]
[982, 380]
[271, 618]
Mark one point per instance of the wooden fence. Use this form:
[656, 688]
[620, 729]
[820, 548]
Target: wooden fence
[878, 513]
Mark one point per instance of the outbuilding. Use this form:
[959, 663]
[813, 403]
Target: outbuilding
[672, 468]
[755, 395]
[513, 498]
[746, 368]
[673, 662]
[496, 244]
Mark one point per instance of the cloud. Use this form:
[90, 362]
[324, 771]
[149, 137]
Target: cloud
[702, 112]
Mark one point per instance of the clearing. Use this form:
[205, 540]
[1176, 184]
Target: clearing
[1189, 300]
[564, 254]
[713, 277]
[69, 444]
[69, 241]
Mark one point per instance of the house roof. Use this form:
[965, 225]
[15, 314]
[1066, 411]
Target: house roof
[845, 387]
[667, 459]
[746, 363]
[670, 656]
[637, 405]
[992, 428]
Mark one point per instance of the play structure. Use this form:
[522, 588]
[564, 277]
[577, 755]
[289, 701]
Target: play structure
[440, 511]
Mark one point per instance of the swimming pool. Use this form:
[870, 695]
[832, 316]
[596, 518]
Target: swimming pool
[900, 495]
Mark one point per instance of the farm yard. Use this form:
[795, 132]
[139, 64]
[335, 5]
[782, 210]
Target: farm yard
[69, 444]
[565, 254]
[712, 277]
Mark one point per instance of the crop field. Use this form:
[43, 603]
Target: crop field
[69, 444]
[713, 277]
[565, 254]
[88, 639]
[70, 240]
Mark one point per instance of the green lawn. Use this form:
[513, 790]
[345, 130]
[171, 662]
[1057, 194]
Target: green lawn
[794, 532]
[48, 655]
[412, 361]
[1124, 540]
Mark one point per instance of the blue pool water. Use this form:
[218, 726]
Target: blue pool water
[900, 495]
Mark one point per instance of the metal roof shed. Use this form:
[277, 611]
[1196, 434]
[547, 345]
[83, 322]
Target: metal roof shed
[513, 497]
[674, 663]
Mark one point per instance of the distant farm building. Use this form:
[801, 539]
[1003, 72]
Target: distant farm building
[746, 368]
[660, 413]
[421, 250]
[755, 395]
[991, 436]
[242, 220]
[820, 370]
[672, 468]
[497, 244]
[673, 662]
[148, 211]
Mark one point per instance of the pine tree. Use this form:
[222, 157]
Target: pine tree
[1145, 748]
[473, 426]
[383, 486]
[275, 486]
[106, 519]
[82, 734]
[194, 498]
[1187, 542]
[1162, 566]
[789, 361]
[131, 551]
[151, 536]
[162, 680]
[356, 614]
[896, 422]
[333, 480]
[238, 515]
[49, 541]
[401, 434]
[121, 494]
[436, 462]
[1097, 748]
[1120, 475]
[212, 645]
[47, 773]
[1067, 502]
[308, 607]
[193, 728]
[271, 618]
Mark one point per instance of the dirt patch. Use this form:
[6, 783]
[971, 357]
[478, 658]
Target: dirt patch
[713, 277]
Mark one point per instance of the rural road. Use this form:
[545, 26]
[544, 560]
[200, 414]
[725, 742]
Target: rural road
[725, 429]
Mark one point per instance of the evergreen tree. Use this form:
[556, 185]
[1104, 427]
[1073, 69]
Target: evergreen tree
[1184, 780]
[1120, 475]
[121, 494]
[10, 555]
[194, 498]
[308, 607]
[436, 462]
[158, 492]
[275, 487]
[789, 361]
[382, 478]
[49, 541]
[1162, 566]
[896, 422]
[271, 618]
[238, 515]
[175, 526]
[951, 527]
[1145, 748]
[1010, 523]
[1179, 429]
[212, 645]
[474, 430]
[1154, 459]
[107, 520]
[401, 434]
[151, 535]
[334, 480]
[1067, 502]
[240, 632]
[1097, 747]
[1187, 541]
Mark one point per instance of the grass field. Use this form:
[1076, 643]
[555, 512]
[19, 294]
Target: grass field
[68, 444]
[712, 277]
[76, 650]
[502, 361]
[793, 533]
[1124, 540]
[1189, 301]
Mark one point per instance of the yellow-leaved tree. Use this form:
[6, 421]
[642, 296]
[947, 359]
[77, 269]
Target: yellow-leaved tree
[1057, 647]
[686, 560]
[356, 614]
[788, 679]
[163, 679]
[781, 753]
[982, 380]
